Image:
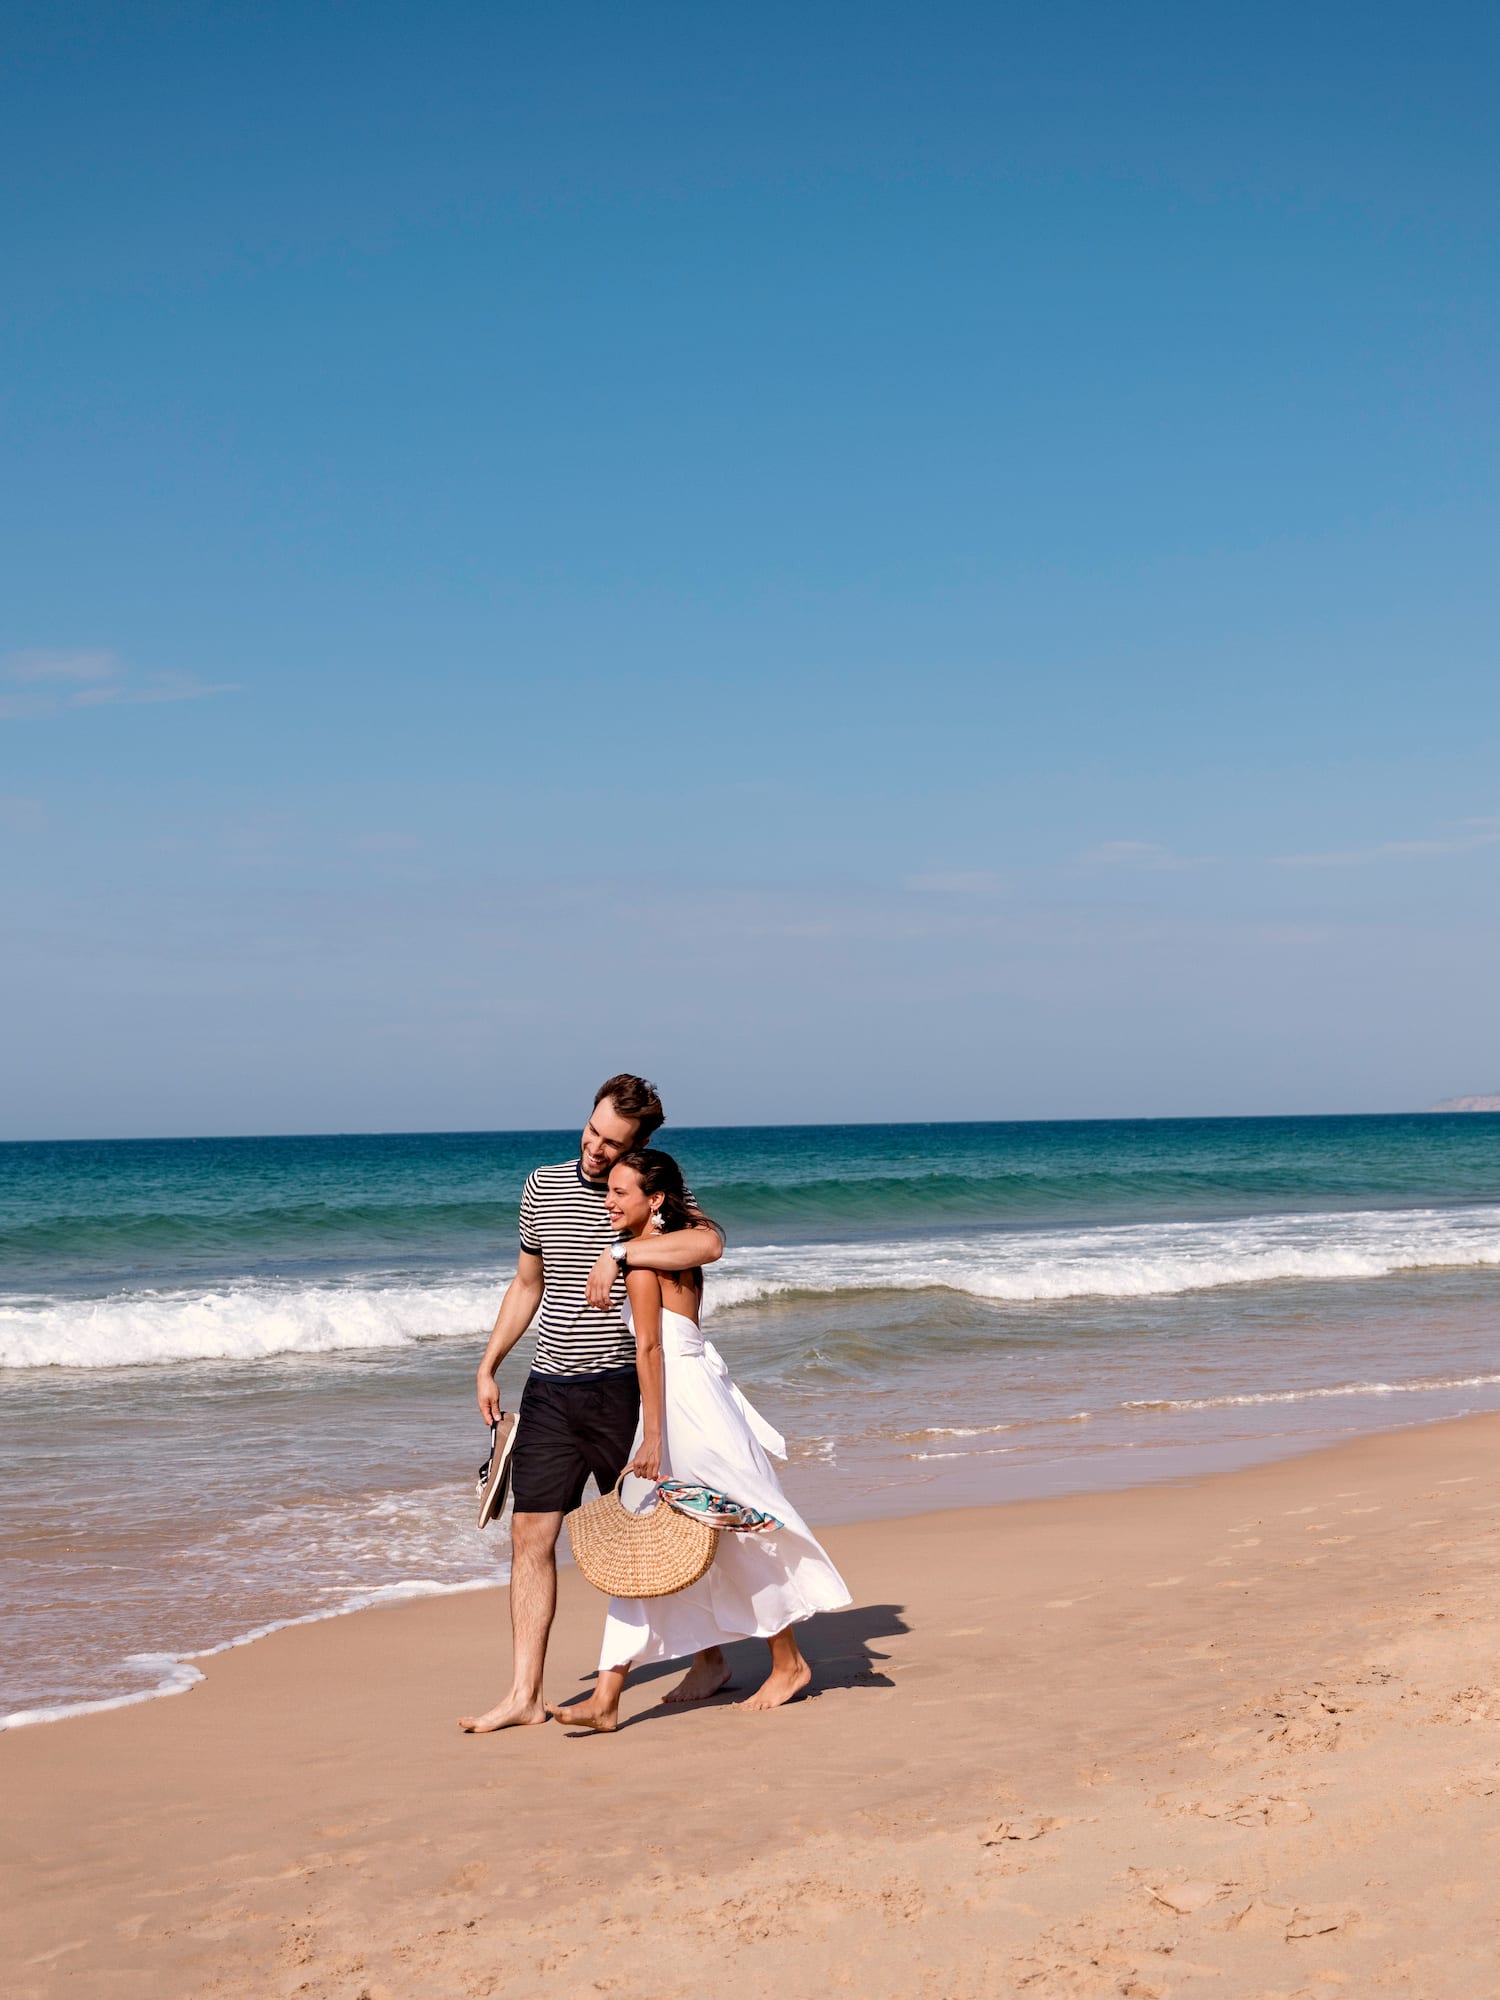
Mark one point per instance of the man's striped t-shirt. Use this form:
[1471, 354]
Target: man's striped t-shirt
[563, 1222]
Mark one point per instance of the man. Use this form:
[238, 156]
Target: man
[581, 1401]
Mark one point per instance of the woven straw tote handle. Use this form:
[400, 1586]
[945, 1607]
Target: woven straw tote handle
[639, 1513]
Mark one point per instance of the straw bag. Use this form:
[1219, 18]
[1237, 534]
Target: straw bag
[650, 1554]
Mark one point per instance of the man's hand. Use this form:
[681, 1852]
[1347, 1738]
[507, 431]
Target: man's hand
[489, 1397]
[602, 1281]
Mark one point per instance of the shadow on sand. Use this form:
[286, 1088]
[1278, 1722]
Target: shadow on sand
[837, 1645]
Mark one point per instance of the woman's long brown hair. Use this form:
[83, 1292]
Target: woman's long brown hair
[659, 1173]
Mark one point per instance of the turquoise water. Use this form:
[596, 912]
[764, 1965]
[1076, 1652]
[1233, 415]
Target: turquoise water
[269, 1344]
[93, 1216]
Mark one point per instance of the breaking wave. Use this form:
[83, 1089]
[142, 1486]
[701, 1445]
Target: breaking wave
[247, 1319]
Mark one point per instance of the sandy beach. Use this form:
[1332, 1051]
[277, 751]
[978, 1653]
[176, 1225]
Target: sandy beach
[1237, 1736]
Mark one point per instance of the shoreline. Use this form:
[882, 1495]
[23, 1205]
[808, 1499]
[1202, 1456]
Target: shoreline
[956, 1319]
[183, 1663]
[1183, 1463]
[881, 1503]
[1145, 1742]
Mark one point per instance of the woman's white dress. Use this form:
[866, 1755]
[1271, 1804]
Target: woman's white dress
[757, 1584]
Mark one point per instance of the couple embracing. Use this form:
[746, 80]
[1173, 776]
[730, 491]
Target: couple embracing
[613, 1248]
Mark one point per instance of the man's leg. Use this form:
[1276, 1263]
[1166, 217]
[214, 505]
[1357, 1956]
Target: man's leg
[533, 1601]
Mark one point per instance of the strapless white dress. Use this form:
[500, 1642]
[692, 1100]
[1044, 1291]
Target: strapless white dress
[757, 1584]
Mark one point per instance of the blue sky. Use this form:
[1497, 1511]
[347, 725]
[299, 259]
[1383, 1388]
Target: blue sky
[869, 562]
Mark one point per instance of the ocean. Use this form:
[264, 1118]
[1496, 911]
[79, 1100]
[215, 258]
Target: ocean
[236, 1375]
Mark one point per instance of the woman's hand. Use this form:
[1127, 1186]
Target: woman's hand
[647, 1462]
[602, 1281]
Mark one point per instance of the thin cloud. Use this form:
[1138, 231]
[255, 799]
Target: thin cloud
[39, 683]
[165, 687]
[1137, 854]
[67, 667]
[1480, 833]
[958, 882]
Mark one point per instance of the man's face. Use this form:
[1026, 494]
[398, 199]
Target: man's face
[605, 1137]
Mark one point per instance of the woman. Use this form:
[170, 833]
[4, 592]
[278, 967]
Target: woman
[695, 1425]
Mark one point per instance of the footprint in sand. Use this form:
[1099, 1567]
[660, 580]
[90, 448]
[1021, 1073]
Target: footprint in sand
[1306, 1718]
[1301, 1921]
[1166, 1582]
[1253, 1543]
[1321, 1920]
[1185, 1899]
[1472, 1704]
[1020, 1829]
[1477, 1784]
[1328, 1541]
[1299, 1510]
[1260, 1809]
[1361, 1510]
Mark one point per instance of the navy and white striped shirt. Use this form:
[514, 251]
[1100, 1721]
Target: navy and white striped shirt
[563, 1222]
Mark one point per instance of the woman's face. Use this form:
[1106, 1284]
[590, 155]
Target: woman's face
[626, 1205]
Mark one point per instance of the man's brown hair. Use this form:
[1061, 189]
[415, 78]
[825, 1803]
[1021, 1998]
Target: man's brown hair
[633, 1098]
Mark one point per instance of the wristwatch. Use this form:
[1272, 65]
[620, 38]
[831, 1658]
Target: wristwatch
[618, 1252]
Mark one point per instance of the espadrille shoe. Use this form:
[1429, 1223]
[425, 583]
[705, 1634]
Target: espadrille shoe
[494, 1474]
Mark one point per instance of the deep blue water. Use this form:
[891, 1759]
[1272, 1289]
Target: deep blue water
[98, 1215]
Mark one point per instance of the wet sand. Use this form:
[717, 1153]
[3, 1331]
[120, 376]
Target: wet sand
[1235, 1736]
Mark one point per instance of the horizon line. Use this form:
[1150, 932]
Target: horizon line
[767, 1125]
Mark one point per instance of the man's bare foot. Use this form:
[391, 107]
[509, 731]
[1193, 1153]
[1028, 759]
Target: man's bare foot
[509, 1714]
[583, 1715]
[703, 1678]
[779, 1687]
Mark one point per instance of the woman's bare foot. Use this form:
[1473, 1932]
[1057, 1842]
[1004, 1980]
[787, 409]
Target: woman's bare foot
[704, 1678]
[781, 1685]
[585, 1715]
[789, 1675]
[508, 1714]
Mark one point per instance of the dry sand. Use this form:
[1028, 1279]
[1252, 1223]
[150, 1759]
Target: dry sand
[1235, 1737]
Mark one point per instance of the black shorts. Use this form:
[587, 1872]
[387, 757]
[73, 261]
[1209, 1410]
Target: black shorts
[568, 1427]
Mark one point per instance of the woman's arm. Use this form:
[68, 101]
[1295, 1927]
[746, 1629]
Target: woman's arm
[677, 1250]
[644, 1288]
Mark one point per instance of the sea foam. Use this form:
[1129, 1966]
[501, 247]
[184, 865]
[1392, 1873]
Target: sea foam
[242, 1321]
[1141, 1260]
[249, 1319]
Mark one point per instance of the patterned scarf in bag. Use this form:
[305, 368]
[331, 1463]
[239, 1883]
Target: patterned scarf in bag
[717, 1510]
